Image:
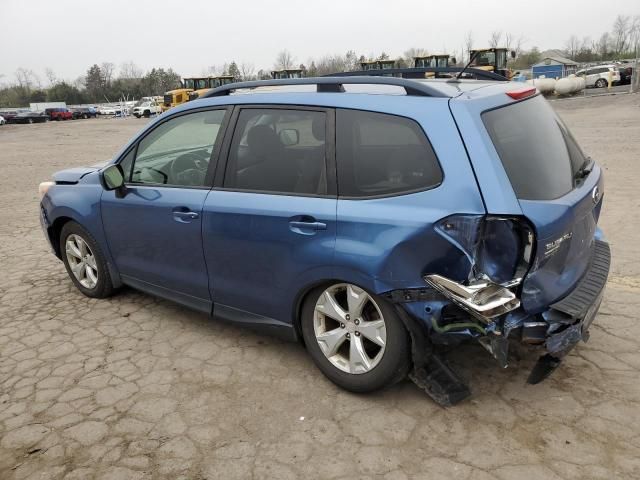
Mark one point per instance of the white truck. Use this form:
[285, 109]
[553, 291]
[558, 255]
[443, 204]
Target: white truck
[146, 107]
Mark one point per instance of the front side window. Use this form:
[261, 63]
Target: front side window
[380, 154]
[278, 150]
[178, 151]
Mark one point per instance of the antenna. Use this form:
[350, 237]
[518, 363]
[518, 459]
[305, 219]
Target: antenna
[473, 57]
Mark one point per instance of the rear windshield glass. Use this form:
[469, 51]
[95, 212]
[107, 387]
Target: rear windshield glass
[537, 150]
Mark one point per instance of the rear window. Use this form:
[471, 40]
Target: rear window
[379, 154]
[537, 150]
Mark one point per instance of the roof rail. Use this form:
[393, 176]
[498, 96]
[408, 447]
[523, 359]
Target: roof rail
[419, 72]
[333, 84]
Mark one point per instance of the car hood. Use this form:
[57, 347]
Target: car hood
[73, 175]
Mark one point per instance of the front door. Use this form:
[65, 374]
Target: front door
[270, 227]
[154, 231]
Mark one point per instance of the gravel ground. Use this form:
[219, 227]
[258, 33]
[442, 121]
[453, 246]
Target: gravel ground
[134, 387]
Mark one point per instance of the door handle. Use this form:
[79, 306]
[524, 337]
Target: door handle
[191, 215]
[308, 225]
[184, 216]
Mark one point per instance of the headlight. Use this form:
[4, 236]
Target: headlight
[43, 188]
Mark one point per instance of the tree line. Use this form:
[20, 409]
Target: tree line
[621, 42]
[100, 83]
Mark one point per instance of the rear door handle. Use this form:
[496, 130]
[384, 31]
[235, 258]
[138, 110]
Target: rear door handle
[184, 216]
[308, 225]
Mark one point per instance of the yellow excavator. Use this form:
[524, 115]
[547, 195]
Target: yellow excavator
[492, 60]
[200, 86]
[177, 96]
[433, 61]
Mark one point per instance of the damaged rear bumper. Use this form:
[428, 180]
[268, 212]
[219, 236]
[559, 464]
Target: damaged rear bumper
[555, 331]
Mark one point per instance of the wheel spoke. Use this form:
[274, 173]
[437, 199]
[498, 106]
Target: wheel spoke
[72, 249]
[358, 359]
[91, 261]
[331, 341]
[328, 305]
[374, 331]
[356, 298]
[90, 275]
[77, 269]
[82, 245]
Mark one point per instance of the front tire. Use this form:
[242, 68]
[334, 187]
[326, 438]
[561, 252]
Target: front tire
[354, 337]
[85, 262]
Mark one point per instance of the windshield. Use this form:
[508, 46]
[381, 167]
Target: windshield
[484, 59]
[538, 152]
[189, 83]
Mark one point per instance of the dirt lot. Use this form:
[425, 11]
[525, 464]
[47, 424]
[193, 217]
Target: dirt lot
[135, 387]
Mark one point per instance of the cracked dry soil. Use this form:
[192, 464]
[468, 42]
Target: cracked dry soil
[137, 388]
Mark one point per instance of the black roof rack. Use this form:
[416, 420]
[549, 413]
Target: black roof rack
[418, 72]
[334, 84]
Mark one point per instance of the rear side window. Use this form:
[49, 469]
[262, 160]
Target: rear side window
[280, 151]
[537, 151]
[379, 154]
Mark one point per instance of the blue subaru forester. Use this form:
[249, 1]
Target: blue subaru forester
[380, 221]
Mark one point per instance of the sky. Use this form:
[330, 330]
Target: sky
[68, 36]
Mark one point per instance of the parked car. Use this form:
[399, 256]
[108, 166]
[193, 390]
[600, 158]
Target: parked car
[59, 113]
[146, 109]
[2, 120]
[109, 110]
[376, 228]
[84, 112]
[30, 117]
[598, 76]
[8, 115]
[626, 73]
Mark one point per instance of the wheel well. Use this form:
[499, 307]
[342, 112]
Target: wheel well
[54, 232]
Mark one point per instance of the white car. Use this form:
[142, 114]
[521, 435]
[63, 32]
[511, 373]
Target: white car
[109, 110]
[598, 76]
[146, 109]
[2, 120]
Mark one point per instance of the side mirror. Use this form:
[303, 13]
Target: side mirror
[513, 53]
[453, 60]
[289, 137]
[112, 177]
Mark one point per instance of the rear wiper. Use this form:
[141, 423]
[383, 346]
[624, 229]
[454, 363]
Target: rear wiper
[585, 169]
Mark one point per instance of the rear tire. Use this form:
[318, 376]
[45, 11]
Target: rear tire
[367, 348]
[601, 83]
[85, 262]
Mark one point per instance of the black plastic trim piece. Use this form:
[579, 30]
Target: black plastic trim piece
[334, 84]
[593, 282]
[418, 73]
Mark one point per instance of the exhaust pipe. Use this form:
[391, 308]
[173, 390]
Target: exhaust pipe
[483, 299]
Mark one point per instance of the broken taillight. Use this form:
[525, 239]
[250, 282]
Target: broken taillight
[498, 248]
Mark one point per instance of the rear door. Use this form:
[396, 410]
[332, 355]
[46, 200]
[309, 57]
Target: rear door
[532, 155]
[269, 225]
[399, 173]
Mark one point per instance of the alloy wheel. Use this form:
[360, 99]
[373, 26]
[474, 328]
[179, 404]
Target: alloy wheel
[350, 328]
[81, 260]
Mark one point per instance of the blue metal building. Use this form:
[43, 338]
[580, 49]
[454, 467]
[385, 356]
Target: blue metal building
[554, 67]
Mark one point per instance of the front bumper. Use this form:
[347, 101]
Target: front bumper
[45, 225]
